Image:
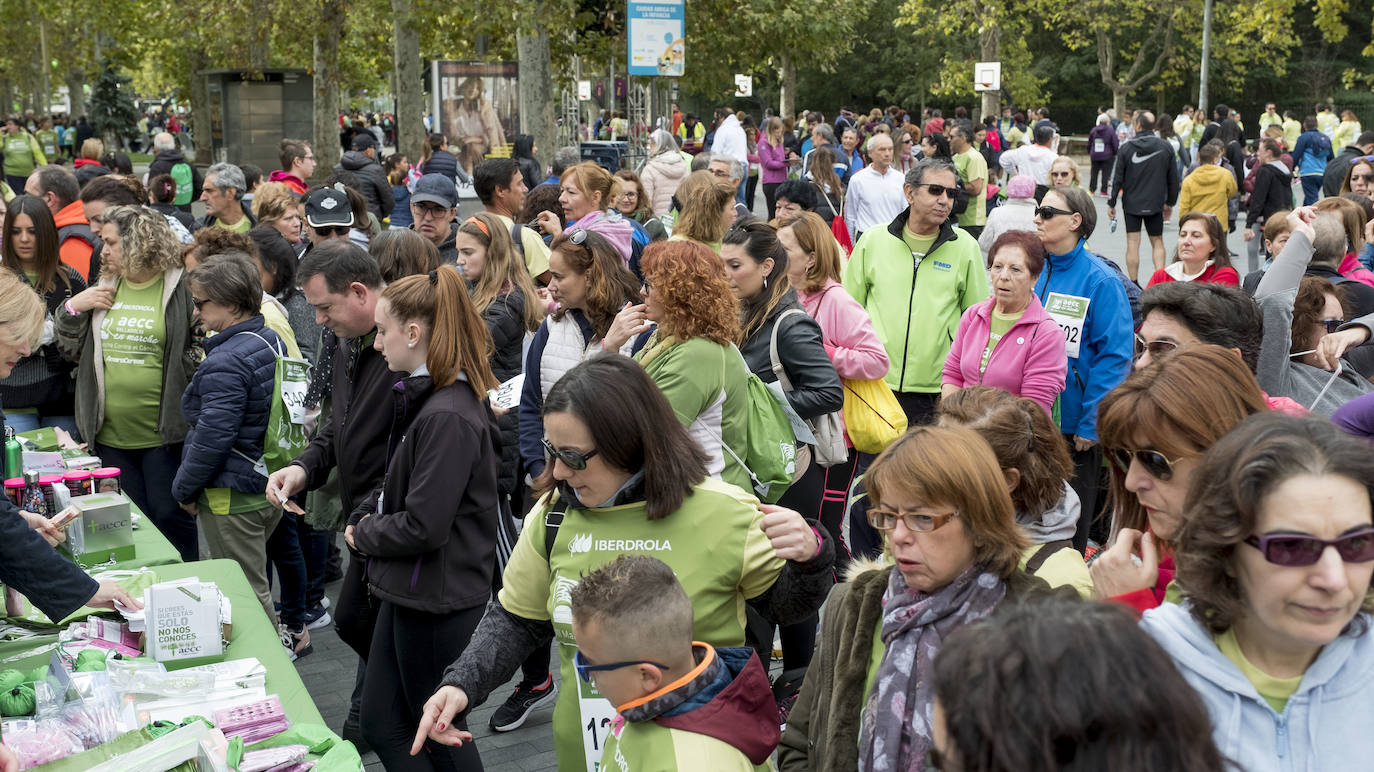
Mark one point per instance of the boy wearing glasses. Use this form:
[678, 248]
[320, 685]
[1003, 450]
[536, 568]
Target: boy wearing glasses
[682, 704]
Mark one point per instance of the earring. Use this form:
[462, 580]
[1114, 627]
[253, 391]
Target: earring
[410, 345]
[765, 282]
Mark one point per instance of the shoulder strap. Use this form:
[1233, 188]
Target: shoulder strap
[518, 239]
[552, 521]
[778, 369]
[1046, 550]
[277, 349]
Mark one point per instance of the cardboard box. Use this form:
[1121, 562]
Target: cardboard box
[182, 621]
[103, 531]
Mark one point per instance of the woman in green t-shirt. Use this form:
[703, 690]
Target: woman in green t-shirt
[625, 476]
[130, 335]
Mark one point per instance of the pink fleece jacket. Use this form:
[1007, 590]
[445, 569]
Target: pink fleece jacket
[1351, 269]
[1029, 361]
[846, 332]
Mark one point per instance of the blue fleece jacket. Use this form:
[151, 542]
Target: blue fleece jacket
[1106, 344]
[1312, 152]
[1324, 727]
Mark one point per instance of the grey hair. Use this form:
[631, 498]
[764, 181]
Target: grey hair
[736, 168]
[661, 141]
[827, 133]
[164, 141]
[230, 279]
[566, 158]
[59, 181]
[1329, 238]
[917, 175]
[701, 161]
[228, 176]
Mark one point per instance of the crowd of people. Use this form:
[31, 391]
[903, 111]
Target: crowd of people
[911, 392]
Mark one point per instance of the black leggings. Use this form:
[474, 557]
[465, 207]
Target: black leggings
[1104, 168]
[410, 650]
[770, 196]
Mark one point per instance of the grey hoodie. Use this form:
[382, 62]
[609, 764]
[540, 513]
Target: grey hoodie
[1324, 727]
[1055, 524]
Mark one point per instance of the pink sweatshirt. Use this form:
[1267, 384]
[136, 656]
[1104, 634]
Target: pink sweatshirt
[1030, 360]
[846, 332]
[1351, 269]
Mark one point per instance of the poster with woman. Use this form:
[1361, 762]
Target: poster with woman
[478, 107]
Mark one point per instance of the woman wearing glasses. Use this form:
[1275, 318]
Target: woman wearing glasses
[1274, 631]
[1155, 426]
[1085, 298]
[1064, 171]
[1201, 253]
[625, 476]
[941, 502]
[430, 535]
[130, 334]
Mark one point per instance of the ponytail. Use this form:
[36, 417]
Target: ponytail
[458, 339]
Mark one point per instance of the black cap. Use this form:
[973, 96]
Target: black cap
[328, 207]
[363, 140]
[435, 188]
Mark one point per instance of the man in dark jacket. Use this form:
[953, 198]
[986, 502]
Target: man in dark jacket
[434, 204]
[1273, 193]
[343, 283]
[1336, 170]
[1146, 179]
[169, 160]
[362, 161]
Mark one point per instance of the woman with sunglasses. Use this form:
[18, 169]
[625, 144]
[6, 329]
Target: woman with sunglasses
[941, 503]
[1275, 629]
[1359, 178]
[1064, 171]
[130, 335]
[623, 476]
[591, 285]
[430, 534]
[1201, 253]
[1155, 427]
[1086, 299]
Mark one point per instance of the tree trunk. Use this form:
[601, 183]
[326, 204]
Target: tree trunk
[410, 107]
[201, 128]
[787, 93]
[1119, 93]
[76, 81]
[537, 88]
[327, 38]
[989, 41]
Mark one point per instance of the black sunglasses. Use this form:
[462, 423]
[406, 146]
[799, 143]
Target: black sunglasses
[199, 302]
[941, 190]
[585, 669]
[1292, 549]
[1156, 464]
[1049, 212]
[1332, 325]
[1155, 347]
[572, 459]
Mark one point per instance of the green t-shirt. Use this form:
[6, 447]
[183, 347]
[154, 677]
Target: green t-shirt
[47, 141]
[242, 226]
[19, 156]
[875, 658]
[227, 501]
[1275, 691]
[919, 245]
[1001, 323]
[972, 166]
[132, 337]
[714, 544]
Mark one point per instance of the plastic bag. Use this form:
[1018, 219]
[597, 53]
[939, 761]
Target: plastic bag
[37, 742]
[317, 737]
[131, 676]
[872, 415]
[89, 709]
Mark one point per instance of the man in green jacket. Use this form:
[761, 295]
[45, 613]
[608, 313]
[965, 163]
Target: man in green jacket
[915, 278]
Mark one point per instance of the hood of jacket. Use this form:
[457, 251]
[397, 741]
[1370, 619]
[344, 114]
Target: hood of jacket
[171, 157]
[736, 707]
[357, 160]
[1211, 174]
[1057, 523]
[670, 165]
[616, 228]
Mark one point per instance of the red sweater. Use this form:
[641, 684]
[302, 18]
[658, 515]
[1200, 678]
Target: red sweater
[1213, 274]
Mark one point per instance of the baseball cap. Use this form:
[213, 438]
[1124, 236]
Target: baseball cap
[328, 207]
[437, 189]
[363, 140]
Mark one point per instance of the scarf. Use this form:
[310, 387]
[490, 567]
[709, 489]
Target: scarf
[895, 732]
[655, 346]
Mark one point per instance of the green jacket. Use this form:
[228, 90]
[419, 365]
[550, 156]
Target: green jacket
[77, 343]
[707, 385]
[916, 301]
[22, 154]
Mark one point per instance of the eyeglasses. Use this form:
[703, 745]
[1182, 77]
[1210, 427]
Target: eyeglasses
[572, 459]
[198, 302]
[1155, 347]
[1291, 549]
[1156, 464]
[941, 190]
[721, 173]
[884, 519]
[1332, 325]
[430, 212]
[1049, 212]
[585, 669]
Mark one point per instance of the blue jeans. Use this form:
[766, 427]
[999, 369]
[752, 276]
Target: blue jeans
[284, 550]
[27, 422]
[315, 551]
[740, 192]
[146, 474]
[1311, 189]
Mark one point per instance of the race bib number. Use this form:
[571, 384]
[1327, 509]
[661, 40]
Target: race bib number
[597, 714]
[1099, 145]
[295, 383]
[1069, 312]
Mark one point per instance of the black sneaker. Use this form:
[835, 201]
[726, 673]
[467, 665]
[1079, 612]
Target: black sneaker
[512, 715]
[316, 618]
[786, 689]
[297, 642]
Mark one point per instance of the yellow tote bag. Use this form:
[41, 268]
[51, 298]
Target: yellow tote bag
[872, 415]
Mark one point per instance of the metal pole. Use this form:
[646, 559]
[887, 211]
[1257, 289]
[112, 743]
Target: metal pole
[1206, 57]
[46, 65]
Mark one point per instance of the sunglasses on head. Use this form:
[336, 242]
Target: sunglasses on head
[941, 190]
[1155, 463]
[1049, 212]
[578, 236]
[1155, 347]
[572, 459]
[1292, 549]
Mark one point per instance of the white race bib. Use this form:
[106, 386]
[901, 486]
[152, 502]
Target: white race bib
[1069, 312]
[597, 714]
[1099, 145]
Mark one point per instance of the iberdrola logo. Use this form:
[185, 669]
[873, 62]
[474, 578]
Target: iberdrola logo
[582, 542]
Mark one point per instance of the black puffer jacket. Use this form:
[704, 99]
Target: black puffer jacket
[505, 320]
[227, 406]
[816, 387]
[43, 379]
[371, 180]
[442, 162]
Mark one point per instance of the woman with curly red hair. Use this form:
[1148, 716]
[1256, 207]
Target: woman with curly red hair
[690, 354]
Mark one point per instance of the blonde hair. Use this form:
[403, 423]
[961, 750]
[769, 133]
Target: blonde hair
[21, 310]
[92, 149]
[703, 198]
[815, 238]
[458, 339]
[148, 244]
[503, 271]
[272, 200]
[590, 178]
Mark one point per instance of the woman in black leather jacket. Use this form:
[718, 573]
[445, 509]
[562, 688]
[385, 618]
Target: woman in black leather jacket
[756, 263]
